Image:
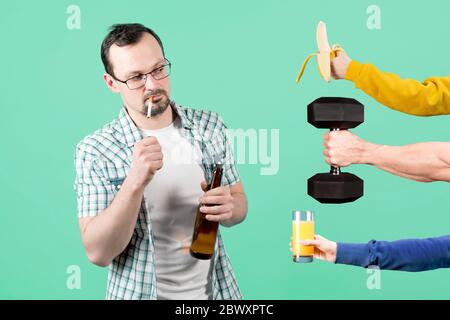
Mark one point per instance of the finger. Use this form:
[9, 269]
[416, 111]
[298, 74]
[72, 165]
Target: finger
[204, 186]
[335, 133]
[318, 254]
[217, 209]
[219, 191]
[341, 53]
[149, 141]
[219, 217]
[152, 148]
[315, 243]
[319, 237]
[155, 156]
[158, 165]
[215, 200]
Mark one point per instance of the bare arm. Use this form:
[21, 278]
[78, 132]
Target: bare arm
[425, 162]
[239, 205]
[106, 235]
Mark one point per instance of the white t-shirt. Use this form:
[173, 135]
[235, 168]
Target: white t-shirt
[171, 199]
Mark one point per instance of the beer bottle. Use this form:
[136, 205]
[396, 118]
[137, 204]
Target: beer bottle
[205, 231]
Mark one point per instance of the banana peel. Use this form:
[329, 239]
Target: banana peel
[324, 55]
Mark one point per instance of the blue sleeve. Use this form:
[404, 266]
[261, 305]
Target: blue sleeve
[404, 255]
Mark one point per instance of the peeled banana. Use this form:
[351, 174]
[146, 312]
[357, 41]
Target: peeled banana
[324, 55]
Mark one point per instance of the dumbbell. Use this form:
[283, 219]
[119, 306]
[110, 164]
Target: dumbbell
[335, 113]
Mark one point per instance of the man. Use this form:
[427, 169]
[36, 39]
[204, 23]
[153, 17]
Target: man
[140, 178]
[424, 162]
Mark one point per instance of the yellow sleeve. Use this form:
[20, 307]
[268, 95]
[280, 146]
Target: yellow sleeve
[431, 97]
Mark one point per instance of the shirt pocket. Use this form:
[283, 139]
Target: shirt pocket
[116, 173]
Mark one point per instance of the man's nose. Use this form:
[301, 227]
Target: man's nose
[150, 83]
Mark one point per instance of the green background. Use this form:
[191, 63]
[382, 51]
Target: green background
[239, 58]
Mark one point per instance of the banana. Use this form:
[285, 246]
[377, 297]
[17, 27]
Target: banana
[324, 55]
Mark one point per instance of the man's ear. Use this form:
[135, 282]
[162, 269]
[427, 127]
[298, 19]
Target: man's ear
[111, 83]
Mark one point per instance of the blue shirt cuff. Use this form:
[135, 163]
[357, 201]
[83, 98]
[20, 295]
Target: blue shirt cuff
[355, 254]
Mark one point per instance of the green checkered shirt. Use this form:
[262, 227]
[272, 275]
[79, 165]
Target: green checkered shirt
[102, 161]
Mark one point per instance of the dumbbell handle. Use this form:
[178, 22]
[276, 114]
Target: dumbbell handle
[335, 170]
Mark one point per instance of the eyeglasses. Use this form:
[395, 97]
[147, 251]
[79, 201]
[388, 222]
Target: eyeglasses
[139, 81]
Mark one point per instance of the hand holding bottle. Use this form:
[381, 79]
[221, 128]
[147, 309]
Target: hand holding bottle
[216, 203]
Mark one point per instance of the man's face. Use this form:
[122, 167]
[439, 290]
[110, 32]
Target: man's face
[134, 60]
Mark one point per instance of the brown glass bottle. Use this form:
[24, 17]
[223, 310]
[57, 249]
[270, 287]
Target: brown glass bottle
[205, 231]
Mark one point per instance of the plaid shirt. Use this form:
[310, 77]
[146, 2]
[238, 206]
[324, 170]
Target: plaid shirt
[102, 161]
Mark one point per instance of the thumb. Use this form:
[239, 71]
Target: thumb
[204, 186]
[319, 237]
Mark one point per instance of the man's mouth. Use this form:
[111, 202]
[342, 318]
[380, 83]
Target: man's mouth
[153, 98]
[156, 97]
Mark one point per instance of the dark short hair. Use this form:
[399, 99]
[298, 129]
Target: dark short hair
[123, 35]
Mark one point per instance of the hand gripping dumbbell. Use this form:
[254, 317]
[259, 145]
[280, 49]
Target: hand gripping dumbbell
[335, 113]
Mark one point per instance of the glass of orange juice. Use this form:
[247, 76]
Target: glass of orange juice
[302, 229]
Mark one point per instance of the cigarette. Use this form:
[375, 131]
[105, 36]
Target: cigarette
[149, 110]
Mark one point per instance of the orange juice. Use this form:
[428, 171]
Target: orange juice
[302, 229]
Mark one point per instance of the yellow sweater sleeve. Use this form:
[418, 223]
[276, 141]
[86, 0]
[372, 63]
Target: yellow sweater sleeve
[431, 97]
